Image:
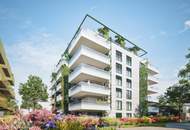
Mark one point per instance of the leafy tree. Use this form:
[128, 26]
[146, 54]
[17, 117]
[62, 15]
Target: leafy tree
[185, 72]
[65, 86]
[33, 91]
[120, 40]
[134, 49]
[143, 90]
[12, 104]
[104, 31]
[178, 94]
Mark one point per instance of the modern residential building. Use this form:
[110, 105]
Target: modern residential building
[6, 82]
[104, 74]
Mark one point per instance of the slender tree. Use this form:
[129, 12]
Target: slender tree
[64, 83]
[33, 91]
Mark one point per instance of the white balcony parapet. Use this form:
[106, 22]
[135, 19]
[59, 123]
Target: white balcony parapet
[85, 88]
[94, 39]
[151, 91]
[152, 80]
[59, 97]
[89, 104]
[89, 70]
[152, 70]
[91, 57]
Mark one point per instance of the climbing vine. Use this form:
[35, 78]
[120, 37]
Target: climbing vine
[143, 90]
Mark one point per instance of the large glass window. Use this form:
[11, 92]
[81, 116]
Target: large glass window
[128, 106]
[118, 68]
[128, 60]
[118, 56]
[129, 72]
[129, 83]
[129, 94]
[118, 93]
[119, 105]
[118, 81]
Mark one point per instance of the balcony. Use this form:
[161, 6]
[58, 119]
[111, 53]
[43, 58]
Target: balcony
[152, 80]
[151, 90]
[59, 97]
[89, 104]
[85, 72]
[91, 39]
[89, 56]
[152, 70]
[88, 89]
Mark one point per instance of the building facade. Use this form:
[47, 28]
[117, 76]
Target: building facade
[104, 77]
[6, 82]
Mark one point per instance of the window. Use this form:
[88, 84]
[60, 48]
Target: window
[129, 94]
[128, 60]
[129, 73]
[118, 105]
[128, 115]
[129, 83]
[118, 56]
[128, 106]
[118, 68]
[118, 81]
[118, 93]
[118, 115]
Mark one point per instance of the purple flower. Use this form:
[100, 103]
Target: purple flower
[50, 124]
[58, 117]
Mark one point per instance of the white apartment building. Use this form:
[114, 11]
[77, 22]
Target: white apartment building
[104, 76]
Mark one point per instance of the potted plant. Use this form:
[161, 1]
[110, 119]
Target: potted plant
[134, 49]
[120, 40]
[104, 31]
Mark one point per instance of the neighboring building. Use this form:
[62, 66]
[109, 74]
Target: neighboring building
[6, 82]
[104, 78]
[186, 111]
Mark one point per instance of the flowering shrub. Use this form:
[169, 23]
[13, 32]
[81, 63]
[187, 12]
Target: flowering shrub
[39, 117]
[45, 120]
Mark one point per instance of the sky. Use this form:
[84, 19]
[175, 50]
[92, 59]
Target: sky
[35, 33]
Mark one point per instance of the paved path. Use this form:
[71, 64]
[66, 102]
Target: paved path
[150, 128]
[170, 126]
[185, 126]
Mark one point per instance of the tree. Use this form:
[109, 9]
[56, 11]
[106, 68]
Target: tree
[185, 72]
[120, 40]
[65, 86]
[33, 91]
[178, 94]
[12, 104]
[143, 90]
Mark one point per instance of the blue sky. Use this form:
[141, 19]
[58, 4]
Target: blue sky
[35, 33]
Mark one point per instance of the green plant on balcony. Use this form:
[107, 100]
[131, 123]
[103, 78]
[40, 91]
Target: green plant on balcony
[134, 49]
[108, 68]
[67, 56]
[104, 31]
[120, 40]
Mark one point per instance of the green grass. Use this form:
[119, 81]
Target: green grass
[145, 124]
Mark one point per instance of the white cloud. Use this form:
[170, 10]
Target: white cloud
[35, 55]
[186, 26]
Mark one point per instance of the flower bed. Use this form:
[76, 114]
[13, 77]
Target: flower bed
[45, 120]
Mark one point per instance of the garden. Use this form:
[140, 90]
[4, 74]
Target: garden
[43, 119]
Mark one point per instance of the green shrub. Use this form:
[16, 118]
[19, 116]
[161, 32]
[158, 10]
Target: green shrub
[106, 128]
[69, 125]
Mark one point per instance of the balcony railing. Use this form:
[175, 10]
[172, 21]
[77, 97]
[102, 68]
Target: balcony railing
[89, 70]
[88, 88]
